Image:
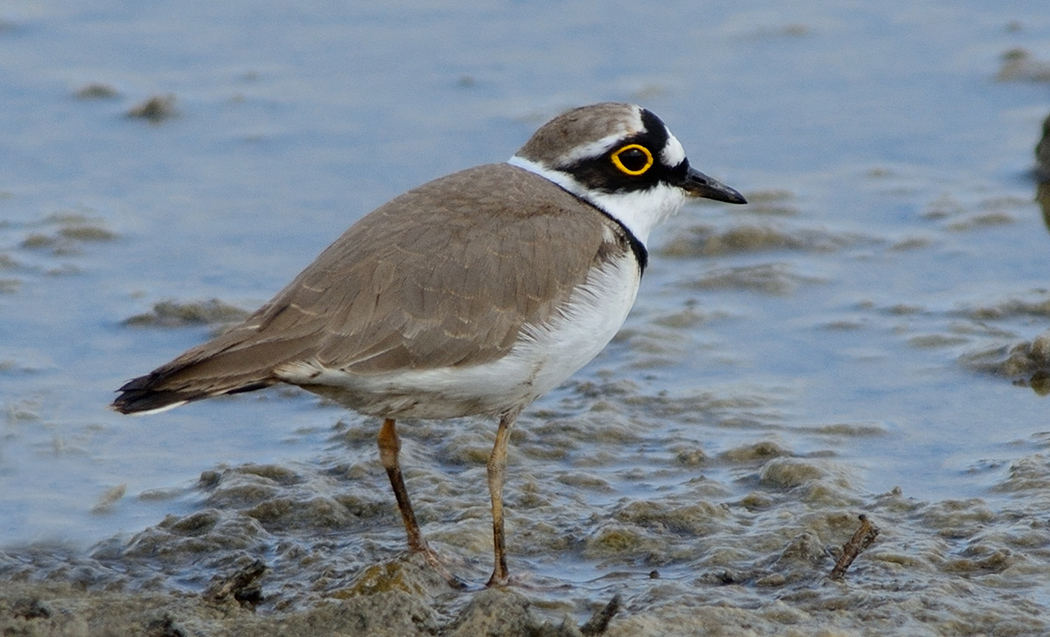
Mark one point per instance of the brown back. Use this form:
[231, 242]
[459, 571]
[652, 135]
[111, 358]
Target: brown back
[444, 275]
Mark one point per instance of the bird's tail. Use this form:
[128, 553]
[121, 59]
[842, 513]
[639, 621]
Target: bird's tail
[226, 365]
[153, 393]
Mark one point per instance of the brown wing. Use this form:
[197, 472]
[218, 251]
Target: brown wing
[432, 279]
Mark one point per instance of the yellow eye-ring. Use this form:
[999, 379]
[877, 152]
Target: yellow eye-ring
[633, 159]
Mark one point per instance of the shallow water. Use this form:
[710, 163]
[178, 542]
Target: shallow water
[838, 346]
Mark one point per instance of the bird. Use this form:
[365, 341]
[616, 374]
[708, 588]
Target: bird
[470, 295]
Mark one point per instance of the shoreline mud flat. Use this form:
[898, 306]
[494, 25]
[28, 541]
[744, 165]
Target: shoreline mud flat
[758, 565]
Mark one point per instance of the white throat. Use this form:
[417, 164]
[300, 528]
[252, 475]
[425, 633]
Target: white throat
[639, 211]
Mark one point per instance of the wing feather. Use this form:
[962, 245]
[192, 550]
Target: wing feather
[431, 279]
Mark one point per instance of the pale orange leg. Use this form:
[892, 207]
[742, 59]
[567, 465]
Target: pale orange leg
[497, 468]
[389, 448]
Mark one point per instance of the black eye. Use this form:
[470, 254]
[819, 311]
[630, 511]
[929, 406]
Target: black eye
[633, 159]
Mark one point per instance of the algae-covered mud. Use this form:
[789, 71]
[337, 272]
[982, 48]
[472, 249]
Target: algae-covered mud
[870, 336]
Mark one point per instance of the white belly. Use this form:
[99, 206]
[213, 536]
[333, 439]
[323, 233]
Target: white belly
[543, 358]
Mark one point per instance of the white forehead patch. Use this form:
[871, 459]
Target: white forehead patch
[673, 152]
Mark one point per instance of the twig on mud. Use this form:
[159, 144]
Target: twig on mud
[861, 540]
[242, 585]
[598, 622]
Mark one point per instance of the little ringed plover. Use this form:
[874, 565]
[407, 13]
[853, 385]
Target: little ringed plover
[473, 294]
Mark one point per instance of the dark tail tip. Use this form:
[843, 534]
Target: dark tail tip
[132, 402]
[140, 395]
[143, 394]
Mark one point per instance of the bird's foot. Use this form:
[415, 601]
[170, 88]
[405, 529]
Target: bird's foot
[432, 558]
[498, 581]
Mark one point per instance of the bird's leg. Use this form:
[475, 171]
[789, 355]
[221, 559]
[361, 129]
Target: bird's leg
[497, 468]
[389, 447]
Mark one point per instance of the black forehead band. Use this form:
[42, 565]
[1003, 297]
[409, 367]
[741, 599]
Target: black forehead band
[599, 173]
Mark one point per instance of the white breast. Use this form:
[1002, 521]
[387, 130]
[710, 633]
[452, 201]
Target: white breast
[543, 358]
